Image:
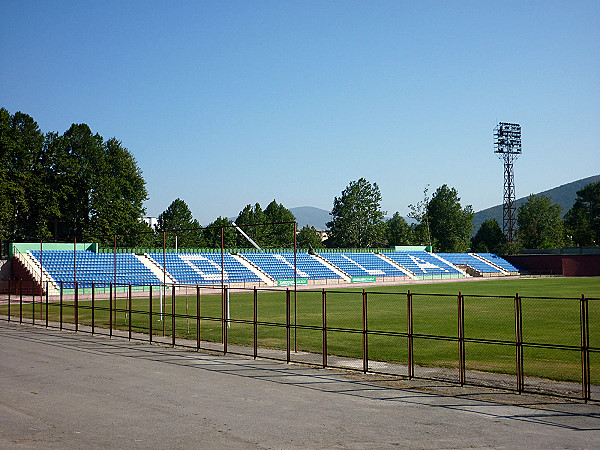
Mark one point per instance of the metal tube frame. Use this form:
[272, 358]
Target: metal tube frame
[93, 306]
[150, 316]
[173, 315]
[255, 322]
[76, 313]
[21, 300]
[365, 337]
[409, 332]
[110, 310]
[585, 352]
[519, 343]
[9, 289]
[287, 325]
[198, 317]
[129, 314]
[461, 339]
[61, 306]
[47, 283]
[324, 327]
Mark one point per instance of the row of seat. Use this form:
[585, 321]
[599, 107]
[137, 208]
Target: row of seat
[467, 259]
[498, 261]
[213, 267]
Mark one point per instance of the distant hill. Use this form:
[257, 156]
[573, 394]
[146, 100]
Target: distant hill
[564, 195]
[311, 216]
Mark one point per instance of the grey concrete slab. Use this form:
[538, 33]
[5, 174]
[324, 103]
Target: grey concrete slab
[67, 390]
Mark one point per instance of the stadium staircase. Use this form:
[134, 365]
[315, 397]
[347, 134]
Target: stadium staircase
[259, 273]
[344, 276]
[26, 268]
[464, 269]
[504, 266]
[155, 268]
[408, 273]
[500, 269]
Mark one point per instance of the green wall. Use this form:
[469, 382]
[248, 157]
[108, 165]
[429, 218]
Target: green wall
[22, 247]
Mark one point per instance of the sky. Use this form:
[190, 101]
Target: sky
[229, 103]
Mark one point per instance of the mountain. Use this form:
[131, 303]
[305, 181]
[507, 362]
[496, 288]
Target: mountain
[564, 195]
[311, 216]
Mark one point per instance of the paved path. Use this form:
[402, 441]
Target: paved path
[66, 390]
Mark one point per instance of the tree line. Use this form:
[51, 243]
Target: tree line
[77, 184]
[58, 186]
[440, 221]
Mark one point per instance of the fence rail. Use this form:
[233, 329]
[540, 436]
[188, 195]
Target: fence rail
[510, 342]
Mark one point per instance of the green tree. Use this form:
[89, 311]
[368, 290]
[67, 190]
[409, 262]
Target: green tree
[540, 224]
[116, 201]
[278, 233]
[357, 217]
[450, 224]
[212, 233]
[60, 186]
[22, 202]
[251, 215]
[420, 231]
[582, 221]
[77, 155]
[177, 222]
[398, 232]
[489, 238]
[308, 237]
[100, 187]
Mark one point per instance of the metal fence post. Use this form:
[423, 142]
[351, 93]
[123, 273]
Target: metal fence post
[224, 319]
[364, 333]
[61, 306]
[93, 305]
[173, 315]
[519, 342]
[9, 299]
[585, 353]
[255, 322]
[76, 306]
[197, 317]
[129, 295]
[21, 300]
[287, 325]
[47, 285]
[587, 343]
[33, 303]
[150, 318]
[461, 339]
[110, 309]
[409, 332]
[324, 330]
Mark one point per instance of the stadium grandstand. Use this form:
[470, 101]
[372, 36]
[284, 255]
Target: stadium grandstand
[65, 267]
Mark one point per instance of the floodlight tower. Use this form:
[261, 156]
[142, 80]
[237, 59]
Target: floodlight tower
[507, 145]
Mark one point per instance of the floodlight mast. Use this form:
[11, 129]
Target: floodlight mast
[246, 236]
[507, 145]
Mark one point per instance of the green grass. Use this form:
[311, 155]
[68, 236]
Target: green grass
[550, 314]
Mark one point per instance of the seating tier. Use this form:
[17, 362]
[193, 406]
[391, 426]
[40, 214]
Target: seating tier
[86, 267]
[469, 260]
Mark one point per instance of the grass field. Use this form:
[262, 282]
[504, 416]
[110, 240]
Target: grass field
[550, 314]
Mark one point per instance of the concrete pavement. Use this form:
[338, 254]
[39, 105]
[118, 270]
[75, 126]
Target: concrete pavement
[68, 390]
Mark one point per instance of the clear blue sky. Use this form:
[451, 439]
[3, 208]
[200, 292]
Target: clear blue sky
[228, 103]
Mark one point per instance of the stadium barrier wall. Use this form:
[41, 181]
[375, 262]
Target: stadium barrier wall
[464, 339]
[550, 264]
[235, 250]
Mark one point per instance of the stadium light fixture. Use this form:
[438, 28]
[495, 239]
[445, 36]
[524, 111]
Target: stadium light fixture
[507, 145]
